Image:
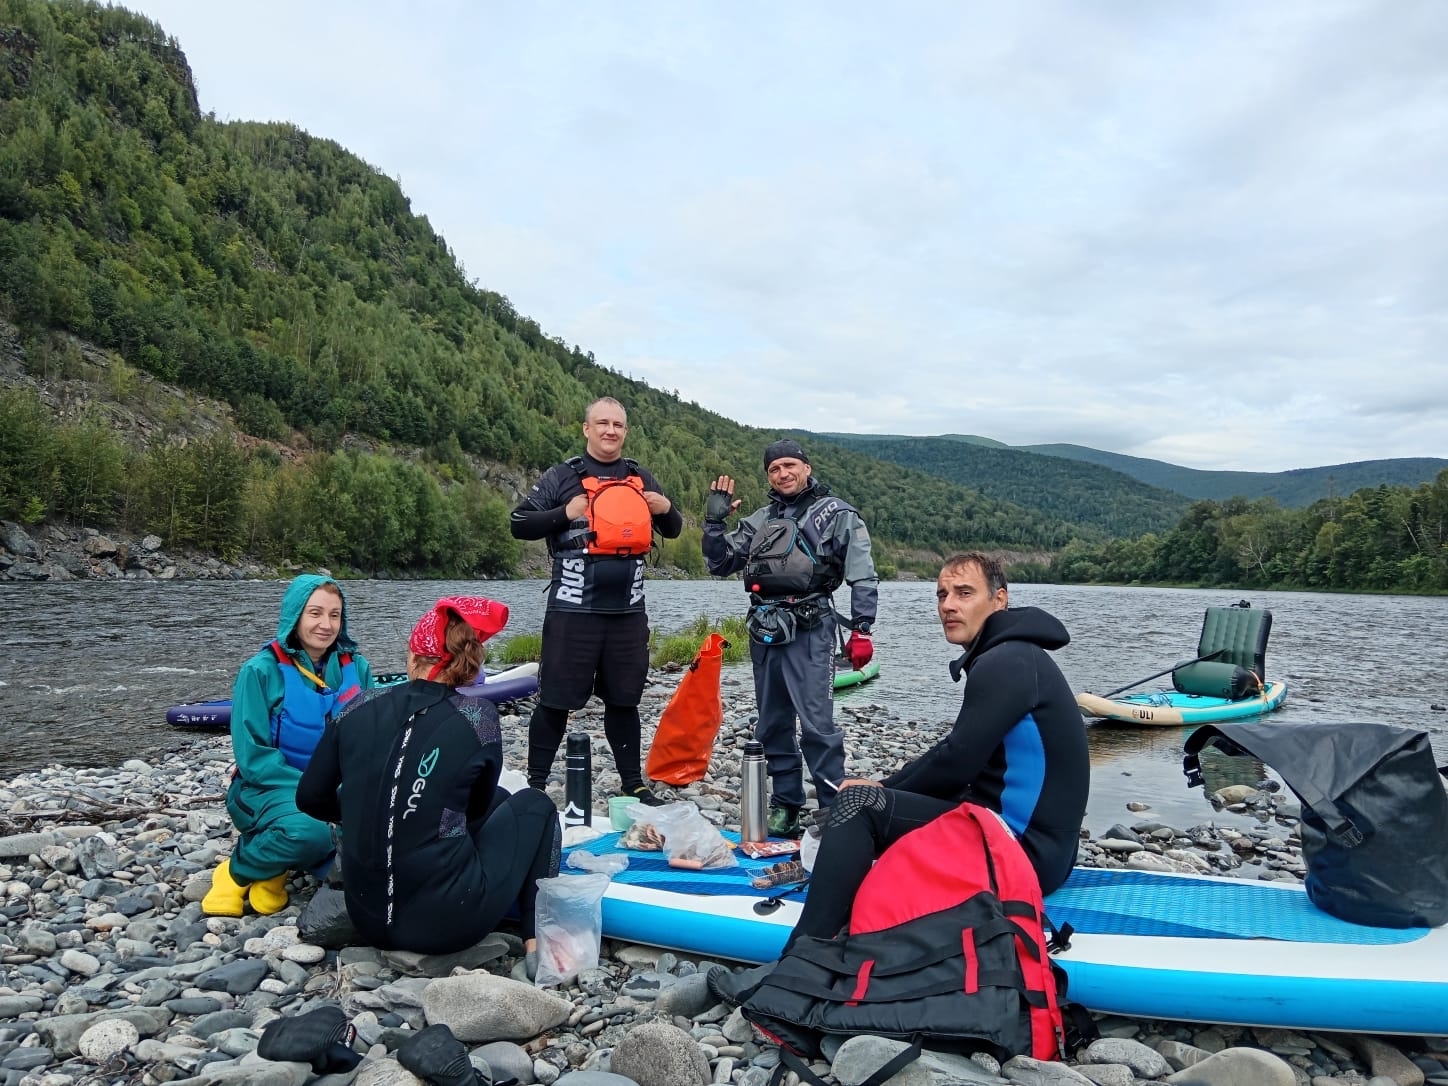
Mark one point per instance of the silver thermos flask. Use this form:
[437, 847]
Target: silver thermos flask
[578, 781]
[752, 825]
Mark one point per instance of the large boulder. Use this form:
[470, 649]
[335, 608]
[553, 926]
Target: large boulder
[480, 1007]
[16, 540]
[660, 1054]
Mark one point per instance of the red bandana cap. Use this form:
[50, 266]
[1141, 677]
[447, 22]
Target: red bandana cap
[429, 636]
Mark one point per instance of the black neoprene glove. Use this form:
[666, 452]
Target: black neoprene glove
[718, 506]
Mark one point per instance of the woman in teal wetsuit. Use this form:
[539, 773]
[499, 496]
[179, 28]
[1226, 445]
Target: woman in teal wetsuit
[280, 704]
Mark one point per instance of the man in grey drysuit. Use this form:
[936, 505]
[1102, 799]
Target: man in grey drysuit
[794, 552]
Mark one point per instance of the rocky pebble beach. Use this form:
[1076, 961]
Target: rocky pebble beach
[110, 974]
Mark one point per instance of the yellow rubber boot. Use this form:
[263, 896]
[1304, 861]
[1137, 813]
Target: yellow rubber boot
[225, 898]
[269, 896]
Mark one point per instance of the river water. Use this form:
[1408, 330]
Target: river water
[87, 669]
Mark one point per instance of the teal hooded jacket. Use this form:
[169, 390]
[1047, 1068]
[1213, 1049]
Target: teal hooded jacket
[256, 696]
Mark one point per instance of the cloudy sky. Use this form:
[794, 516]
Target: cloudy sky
[1209, 233]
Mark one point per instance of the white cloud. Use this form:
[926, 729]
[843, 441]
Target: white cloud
[1214, 234]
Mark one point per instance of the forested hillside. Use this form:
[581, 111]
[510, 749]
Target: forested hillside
[1386, 538]
[1297, 488]
[273, 270]
[1116, 504]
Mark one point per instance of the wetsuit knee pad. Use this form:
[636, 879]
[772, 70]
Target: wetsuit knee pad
[854, 801]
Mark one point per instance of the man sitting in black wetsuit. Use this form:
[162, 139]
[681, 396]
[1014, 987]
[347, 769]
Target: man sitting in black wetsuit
[1018, 747]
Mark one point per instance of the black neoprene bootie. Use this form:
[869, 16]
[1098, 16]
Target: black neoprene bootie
[321, 1038]
[436, 1056]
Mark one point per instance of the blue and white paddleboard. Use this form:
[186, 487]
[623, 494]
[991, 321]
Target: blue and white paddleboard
[498, 686]
[1146, 944]
[1169, 708]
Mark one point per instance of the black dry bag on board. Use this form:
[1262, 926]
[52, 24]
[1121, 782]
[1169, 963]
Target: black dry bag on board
[1374, 814]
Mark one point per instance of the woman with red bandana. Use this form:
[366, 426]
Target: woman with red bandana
[434, 853]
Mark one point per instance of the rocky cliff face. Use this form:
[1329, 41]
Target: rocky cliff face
[56, 552]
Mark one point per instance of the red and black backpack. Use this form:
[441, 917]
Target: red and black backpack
[947, 948]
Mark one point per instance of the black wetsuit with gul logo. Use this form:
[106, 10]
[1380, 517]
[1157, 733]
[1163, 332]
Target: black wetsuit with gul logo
[596, 583]
[433, 852]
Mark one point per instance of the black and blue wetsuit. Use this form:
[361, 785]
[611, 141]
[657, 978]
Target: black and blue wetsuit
[1018, 747]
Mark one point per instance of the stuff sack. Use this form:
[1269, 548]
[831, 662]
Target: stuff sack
[684, 738]
[1374, 814]
[780, 562]
[946, 949]
[619, 521]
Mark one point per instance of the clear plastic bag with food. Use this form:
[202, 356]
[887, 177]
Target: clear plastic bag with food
[569, 926]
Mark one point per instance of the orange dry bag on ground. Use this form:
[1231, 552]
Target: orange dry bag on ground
[685, 736]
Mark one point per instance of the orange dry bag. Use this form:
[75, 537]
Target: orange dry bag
[685, 736]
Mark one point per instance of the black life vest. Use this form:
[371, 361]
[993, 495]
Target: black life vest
[783, 561]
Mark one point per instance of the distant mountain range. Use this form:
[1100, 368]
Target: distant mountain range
[1122, 495]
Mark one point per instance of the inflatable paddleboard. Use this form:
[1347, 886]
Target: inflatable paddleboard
[854, 676]
[1169, 708]
[1147, 944]
[501, 686]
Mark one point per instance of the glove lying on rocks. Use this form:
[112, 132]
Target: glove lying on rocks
[322, 1038]
[437, 1057]
[859, 650]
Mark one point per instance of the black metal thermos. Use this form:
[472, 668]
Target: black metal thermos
[752, 824]
[578, 782]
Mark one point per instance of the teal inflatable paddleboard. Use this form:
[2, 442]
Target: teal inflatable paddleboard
[1167, 708]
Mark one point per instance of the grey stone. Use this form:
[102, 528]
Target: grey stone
[1181, 1055]
[1108, 1074]
[194, 1005]
[20, 845]
[182, 1057]
[63, 1032]
[35, 940]
[385, 1073]
[97, 857]
[480, 1007]
[1026, 1071]
[237, 977]
[106, 1040]
[249, 1072]
[687, 996]
[13, 1006]
[491, 948]
[81, 963]
[660, 1054]
[595, 1078]
[16, 540]
[505, 1059]
[860, 1057]
[219, 1022]
[1237, 1067]
[1145, 1062]
[1385, 1061]
[99, 546]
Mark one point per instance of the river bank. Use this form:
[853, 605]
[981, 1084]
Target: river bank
[110, 974]
[59, 553]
